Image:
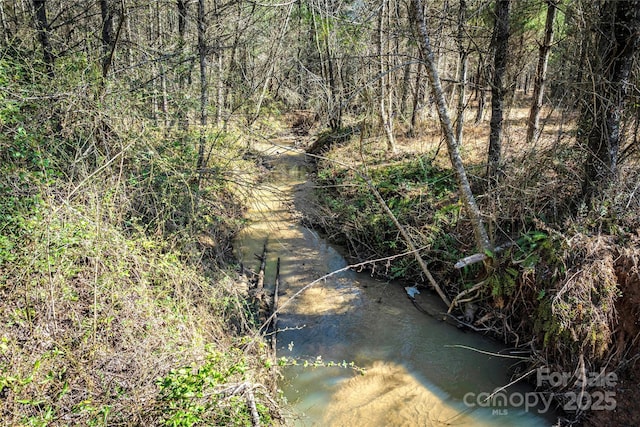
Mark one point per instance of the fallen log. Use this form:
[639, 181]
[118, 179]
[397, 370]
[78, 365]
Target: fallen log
[263, 265]
[472, 259]
[274, 310]
[258, 294]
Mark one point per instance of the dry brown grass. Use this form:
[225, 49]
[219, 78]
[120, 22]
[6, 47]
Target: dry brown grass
[93, 317]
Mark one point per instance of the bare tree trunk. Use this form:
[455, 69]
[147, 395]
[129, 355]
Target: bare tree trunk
[128, 34]
[182, 20]
[232, 66]
[481, 94]
[106, 11]
[386, 115]
[204, 86]
[500, 40]
[109, 39]
[601, 120]
[220, 89]
[533, 129]
[165, 97]
[581, 64]
[42, 26]
[274, 55]
[469, 202]
[4, 24]
[404, 91]
[462, 72]
[335, 120]
[417, 94]
[181, 74]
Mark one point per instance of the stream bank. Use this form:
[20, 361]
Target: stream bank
[565, 290]
[418, 370]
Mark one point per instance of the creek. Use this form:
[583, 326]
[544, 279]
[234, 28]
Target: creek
[420, 371]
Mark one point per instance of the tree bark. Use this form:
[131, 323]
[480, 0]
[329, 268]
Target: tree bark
[480, 90]
[182, 20]
[533, 128]
[468, 200]
[335, 119]
[404, 91]
[127, 32]
[106, 11]
[501, 41]
[462, 72]
[220, 103]
[417, 96]
[385, 110]
[204, 87]
[42, 27]
[4, 24]
[164, 95]
[601, 119]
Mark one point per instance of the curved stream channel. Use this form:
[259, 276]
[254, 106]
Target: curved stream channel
[416, 373]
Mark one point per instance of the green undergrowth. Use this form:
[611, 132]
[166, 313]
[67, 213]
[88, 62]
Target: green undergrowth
[564, 282]
[116, 305]
[419, 194]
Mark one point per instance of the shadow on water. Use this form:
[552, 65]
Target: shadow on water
[414, 373]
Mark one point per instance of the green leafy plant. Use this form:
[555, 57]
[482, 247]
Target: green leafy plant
[207, 393]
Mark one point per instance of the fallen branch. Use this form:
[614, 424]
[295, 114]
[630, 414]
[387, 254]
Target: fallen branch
[333, 273]
[263, 264]
[408, 240]
[274, 328]
[274, 309]
[461, 323]
[506, 356]
[251, 403]
[240, 389]
[456, 300]
[401, 229]
[472, 259]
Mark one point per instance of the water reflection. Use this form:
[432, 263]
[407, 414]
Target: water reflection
[414, 376]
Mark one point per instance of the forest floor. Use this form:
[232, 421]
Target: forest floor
[567, 288]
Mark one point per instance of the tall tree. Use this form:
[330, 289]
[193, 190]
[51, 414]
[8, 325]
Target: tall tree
[42, 26]
[384, 84]
[4, 25]
[106, 11]
[501, 44]
[469, 201]
[109, 38]
[183, 6]
[480, 87]
[204, 86]
[277, 45]
[462, 71]
[417, 96]
[329, 60]
[601, 119]
[533, 125]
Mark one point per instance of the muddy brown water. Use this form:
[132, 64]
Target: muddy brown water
[419, 371]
